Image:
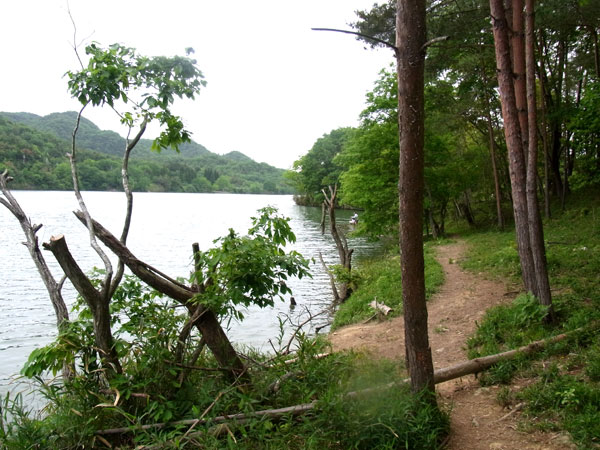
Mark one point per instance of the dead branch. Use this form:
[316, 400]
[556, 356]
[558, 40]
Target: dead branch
[341, 243]
[430, 42]
[208, 324]
[30, 230]
[299, 327]
[336, 295]
[53, 287]
[236, 418]
[441, 375]
[366, 36]
[276, 385]
[192, 360]
[480, 364]
[319, 328]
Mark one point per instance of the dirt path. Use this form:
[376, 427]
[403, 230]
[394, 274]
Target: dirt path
[478, 422]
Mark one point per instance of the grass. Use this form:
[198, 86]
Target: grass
[563, 392]
[381, 280]
[381, 418]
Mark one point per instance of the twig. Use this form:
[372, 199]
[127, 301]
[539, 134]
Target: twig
[299, 327]
[518, 407]
[366, 36]
[317, 329]
[430, 42]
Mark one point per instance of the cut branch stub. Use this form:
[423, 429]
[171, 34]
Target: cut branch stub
[97, 302]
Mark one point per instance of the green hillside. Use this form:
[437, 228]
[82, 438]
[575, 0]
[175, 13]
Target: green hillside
[90, 136]
[33, 149]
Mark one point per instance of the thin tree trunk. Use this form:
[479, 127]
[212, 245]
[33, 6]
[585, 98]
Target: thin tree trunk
[494, 168]
[536, 230]
[544, 134]
[512, 131]
[410, 42]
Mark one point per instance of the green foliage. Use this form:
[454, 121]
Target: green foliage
[384, 418]
[585, 125]
[381, 280]
[370, 157]
[317, 169]
[252, 269]
[561, 401]
[508, 326]
[117, 73]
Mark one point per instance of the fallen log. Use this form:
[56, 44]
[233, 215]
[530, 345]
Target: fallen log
[479, 364]
[441, 375]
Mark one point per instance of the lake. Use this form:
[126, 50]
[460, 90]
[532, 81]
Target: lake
[164, 226]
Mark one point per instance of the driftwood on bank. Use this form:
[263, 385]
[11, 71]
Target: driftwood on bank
[441, 375]
[381, 308]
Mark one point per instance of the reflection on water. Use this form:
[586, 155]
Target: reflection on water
[164, 226]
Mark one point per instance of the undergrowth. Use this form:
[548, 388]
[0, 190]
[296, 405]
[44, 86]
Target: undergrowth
[563, 393]
[384, 417]
[381, 280]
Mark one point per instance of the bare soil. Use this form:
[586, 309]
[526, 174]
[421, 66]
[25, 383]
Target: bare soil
[478, 422]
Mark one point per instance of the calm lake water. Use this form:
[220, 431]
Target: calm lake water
[163, 229]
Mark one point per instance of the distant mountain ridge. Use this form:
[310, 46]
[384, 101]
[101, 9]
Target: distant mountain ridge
[90, 136]
[33, 148]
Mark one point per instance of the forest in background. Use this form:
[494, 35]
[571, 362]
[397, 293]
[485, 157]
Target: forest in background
[466, 163]
[33, 148]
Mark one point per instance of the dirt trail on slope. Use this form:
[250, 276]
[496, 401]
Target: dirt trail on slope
[478, 422]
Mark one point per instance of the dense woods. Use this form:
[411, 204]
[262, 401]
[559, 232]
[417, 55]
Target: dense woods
[466, 164]
[33, 149]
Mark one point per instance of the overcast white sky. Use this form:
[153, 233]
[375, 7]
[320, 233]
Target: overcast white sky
[274, 86]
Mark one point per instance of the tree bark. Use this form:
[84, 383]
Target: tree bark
[514, 143]
[519, 79]
[410, 56]
[536, 230]
[544, 133]
[54, 289]
[497, 192]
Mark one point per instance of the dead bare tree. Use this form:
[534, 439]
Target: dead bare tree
[30, 230]
[343, 290]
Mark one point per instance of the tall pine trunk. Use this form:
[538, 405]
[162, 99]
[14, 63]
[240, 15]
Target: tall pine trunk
[514, 143]
[410, 43]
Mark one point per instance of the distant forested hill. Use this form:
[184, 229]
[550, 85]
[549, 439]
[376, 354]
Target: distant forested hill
[33, 149]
